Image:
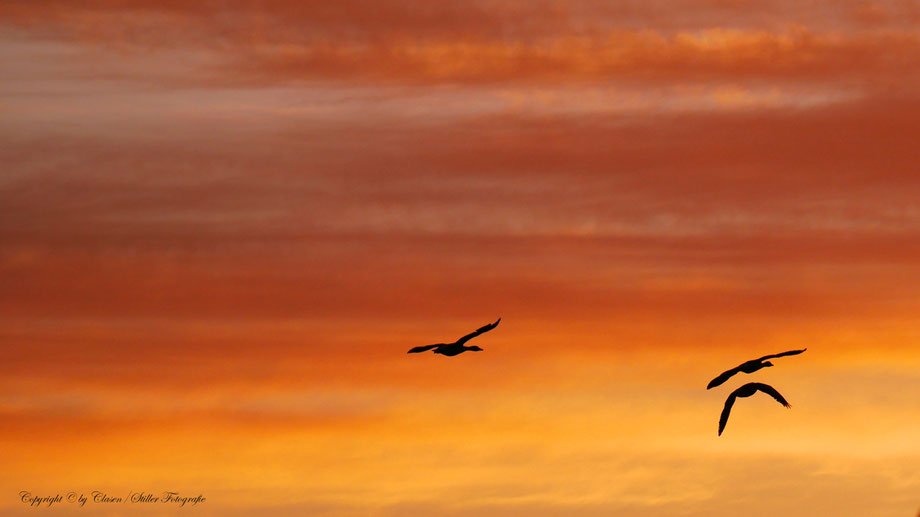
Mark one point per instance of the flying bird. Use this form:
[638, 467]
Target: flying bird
[452, 349]
[749, 367]
[746, 391]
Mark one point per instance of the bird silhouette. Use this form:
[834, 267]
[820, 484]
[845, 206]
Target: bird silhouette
[452, 349]
[746, 391]
[749, 367]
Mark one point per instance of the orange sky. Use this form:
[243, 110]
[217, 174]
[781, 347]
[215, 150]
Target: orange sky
[223, 224]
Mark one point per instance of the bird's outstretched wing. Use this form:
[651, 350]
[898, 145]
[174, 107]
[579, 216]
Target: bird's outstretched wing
[724, 376]
[729, 402]
[480, 330]
[783, 354]
[766, 388]
[423, 348]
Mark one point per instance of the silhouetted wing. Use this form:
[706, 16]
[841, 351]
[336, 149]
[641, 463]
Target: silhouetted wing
[784, 354]
[422, 349]
[480, 330]
[729, 402]
[766, 388]
[724, 376]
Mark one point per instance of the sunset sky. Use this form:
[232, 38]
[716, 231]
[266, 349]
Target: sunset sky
[223, 224]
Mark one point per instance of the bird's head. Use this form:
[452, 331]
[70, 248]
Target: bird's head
[767, 363]
[474, 348]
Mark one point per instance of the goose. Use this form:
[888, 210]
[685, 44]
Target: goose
[746, 391]
[457, 347]
[750, 367]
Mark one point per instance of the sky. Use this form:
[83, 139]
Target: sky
[225, 223]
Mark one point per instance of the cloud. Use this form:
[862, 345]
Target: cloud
[416, 43]
[799, 55]
[336, 217]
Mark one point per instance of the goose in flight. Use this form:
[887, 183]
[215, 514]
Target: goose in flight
[452, 349]
[746, 391]
[750, 367]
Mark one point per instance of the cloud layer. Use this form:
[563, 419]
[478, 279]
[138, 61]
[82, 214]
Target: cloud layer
[224, 224]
